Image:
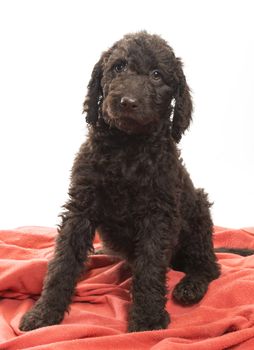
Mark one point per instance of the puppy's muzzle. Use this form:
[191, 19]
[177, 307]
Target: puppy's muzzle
[129, 104]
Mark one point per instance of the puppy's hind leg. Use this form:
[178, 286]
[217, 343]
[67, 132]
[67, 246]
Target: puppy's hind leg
[196, 254]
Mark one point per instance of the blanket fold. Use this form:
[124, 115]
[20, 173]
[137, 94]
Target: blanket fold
[97, 318]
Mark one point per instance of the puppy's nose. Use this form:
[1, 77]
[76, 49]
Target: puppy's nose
[129, 103]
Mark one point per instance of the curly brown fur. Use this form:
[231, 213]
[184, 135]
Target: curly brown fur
[129, 183]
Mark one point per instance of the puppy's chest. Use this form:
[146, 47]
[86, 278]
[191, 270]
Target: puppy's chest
[121, 179]
[120, 173]
[124, 183]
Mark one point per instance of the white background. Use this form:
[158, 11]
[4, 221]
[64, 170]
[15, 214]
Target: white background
[48, 49]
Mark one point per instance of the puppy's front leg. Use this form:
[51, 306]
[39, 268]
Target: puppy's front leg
[149, 283]
[72, 246]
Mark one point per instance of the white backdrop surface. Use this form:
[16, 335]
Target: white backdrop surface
[48, 49]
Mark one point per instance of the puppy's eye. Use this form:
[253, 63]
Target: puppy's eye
[120, 67]
[156, 75]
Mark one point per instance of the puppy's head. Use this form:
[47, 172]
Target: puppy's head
[134, 84]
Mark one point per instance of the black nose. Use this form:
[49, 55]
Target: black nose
[129, 103]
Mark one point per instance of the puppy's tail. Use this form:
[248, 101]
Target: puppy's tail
[239, 251]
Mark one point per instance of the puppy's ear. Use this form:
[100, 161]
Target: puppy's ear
[94, 94]
[183, 104]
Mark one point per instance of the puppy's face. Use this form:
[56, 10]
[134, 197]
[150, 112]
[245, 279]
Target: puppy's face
[138, 83]
[133, 85]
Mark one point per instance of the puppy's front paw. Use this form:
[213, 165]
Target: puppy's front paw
[139, 323]
[39, 317]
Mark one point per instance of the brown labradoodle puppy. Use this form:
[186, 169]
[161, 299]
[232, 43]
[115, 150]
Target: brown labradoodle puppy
[129, 183]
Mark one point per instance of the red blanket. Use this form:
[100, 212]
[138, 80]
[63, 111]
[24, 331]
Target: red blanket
[224, 319]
